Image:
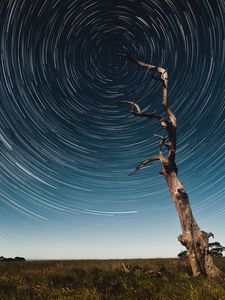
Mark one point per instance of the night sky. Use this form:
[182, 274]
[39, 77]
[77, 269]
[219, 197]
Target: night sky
[66, 152]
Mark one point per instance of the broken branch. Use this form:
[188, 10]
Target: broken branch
[144, 163]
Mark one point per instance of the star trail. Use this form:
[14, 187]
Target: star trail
[67, 150]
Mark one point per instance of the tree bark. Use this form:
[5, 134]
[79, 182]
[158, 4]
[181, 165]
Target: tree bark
[195, 240]
[192, 237]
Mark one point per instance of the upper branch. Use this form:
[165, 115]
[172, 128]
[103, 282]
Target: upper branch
[168, 162]
[170, 125]
[136, 110]
[164, 78]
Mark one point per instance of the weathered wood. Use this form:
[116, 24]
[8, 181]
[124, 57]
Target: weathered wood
[192, 237]
[154, 272]
[125, 268]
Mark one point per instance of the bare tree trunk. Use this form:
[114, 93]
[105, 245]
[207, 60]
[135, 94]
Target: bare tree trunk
[195, 240]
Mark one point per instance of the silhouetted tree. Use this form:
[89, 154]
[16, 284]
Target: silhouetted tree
[215, 250]
[17, 258]
[193, 238]
[182, 254]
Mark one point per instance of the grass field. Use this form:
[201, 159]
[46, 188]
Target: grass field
[95, 280]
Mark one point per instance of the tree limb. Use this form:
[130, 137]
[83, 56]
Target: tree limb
[149, 115]
[144, 163]
[169, 126]
[135, 107]
[164, 78]
[136, 110]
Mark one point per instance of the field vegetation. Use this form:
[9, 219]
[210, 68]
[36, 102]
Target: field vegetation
[101, 280]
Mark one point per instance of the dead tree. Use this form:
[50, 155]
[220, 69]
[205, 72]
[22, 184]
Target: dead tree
[192, 237]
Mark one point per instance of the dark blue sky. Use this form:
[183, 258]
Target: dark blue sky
[65, 158]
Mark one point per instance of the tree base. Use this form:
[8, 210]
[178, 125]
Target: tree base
[211, 269]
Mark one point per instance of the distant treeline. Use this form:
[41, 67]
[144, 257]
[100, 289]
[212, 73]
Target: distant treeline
[17, 258]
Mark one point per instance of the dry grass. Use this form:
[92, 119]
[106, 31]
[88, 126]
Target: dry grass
[101, 280]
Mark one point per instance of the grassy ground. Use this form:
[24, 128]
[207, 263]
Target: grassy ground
[95, 280]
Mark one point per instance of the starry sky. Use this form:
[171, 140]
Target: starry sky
[66, 151]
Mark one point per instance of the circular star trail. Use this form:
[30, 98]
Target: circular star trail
[65, 148]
